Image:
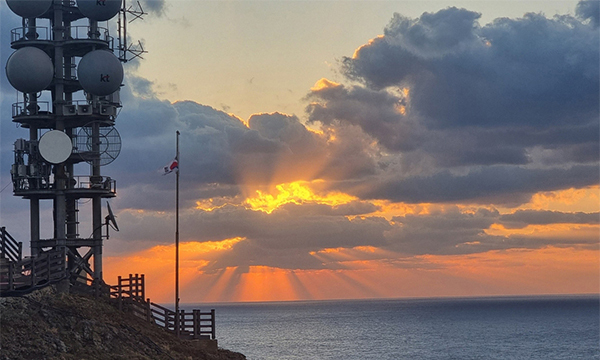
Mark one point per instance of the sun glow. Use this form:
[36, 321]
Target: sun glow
[158, 263]
[363, 272]
[213, 204]
[298, 192]
[324, 84]
[371, 41]
[510, 272]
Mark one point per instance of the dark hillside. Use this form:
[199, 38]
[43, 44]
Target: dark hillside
[48, 325]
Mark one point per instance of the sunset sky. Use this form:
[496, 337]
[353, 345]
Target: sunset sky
[352, 149]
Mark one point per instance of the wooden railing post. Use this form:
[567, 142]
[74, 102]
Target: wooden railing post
[176, 325]
[33, 276]
[168, 320]
[10, 276]
[130, 280]
[143, 287]
[148, 311]
[212, 324]
[119, 295]
[3, 249]
[181, 322]
[196, 323]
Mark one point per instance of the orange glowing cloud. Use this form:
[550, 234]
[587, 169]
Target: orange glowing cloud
[298, 192]
[324, 84]
[369, 271]
[570, 200]
[390, 209]
[371, 41]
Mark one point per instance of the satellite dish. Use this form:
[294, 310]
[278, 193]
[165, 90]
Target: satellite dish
[29, 8]
[109, 143]
[29, 70]
[100, 72]
[111, 217]
[99, 10]
[55, 146]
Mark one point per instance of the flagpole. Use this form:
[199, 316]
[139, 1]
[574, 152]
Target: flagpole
[177, 315]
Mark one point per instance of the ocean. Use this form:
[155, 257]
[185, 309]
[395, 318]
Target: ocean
[565, 327]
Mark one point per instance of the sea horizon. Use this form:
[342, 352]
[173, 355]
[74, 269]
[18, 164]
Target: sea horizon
[409, 298]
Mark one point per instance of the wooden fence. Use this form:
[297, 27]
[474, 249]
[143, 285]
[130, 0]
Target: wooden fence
[129, 295]
[193, 324]
[33, 273]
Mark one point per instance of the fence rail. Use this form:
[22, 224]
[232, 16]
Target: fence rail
[33, 273]
[9, 247]
[129, 295]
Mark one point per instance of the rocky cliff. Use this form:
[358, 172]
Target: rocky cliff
[49, 325]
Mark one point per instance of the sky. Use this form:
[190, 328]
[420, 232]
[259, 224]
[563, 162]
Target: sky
[352, 149]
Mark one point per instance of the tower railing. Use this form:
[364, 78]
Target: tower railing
[83, 32]
[77, 32]
[31, 182]
[86, 182]
[30, 33]
[30, 109]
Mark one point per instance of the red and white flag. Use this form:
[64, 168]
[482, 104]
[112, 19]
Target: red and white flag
[173, 166]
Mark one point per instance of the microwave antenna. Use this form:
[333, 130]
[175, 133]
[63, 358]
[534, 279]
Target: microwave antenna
[104, 147]
[110, 220]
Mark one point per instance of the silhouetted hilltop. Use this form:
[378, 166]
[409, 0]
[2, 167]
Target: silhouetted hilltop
[49, 325]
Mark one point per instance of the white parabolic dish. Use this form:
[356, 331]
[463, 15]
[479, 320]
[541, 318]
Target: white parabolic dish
[55, 146]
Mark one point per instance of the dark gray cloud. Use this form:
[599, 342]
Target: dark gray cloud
[287, 237]
[434, 34]
[589, 10]
[290, 232]
[455, 232]
[531, 71]
[220, 150]
[376, 112]
[352, 208]
[499, 184]
[523, 218]
[466, 112]
[450, 232]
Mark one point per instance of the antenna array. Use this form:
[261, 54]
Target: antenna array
[68, 79]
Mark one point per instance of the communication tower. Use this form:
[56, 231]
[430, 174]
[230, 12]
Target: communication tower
[68, 77]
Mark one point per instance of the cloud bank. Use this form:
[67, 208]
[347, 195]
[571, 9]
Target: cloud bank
[437, 110]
